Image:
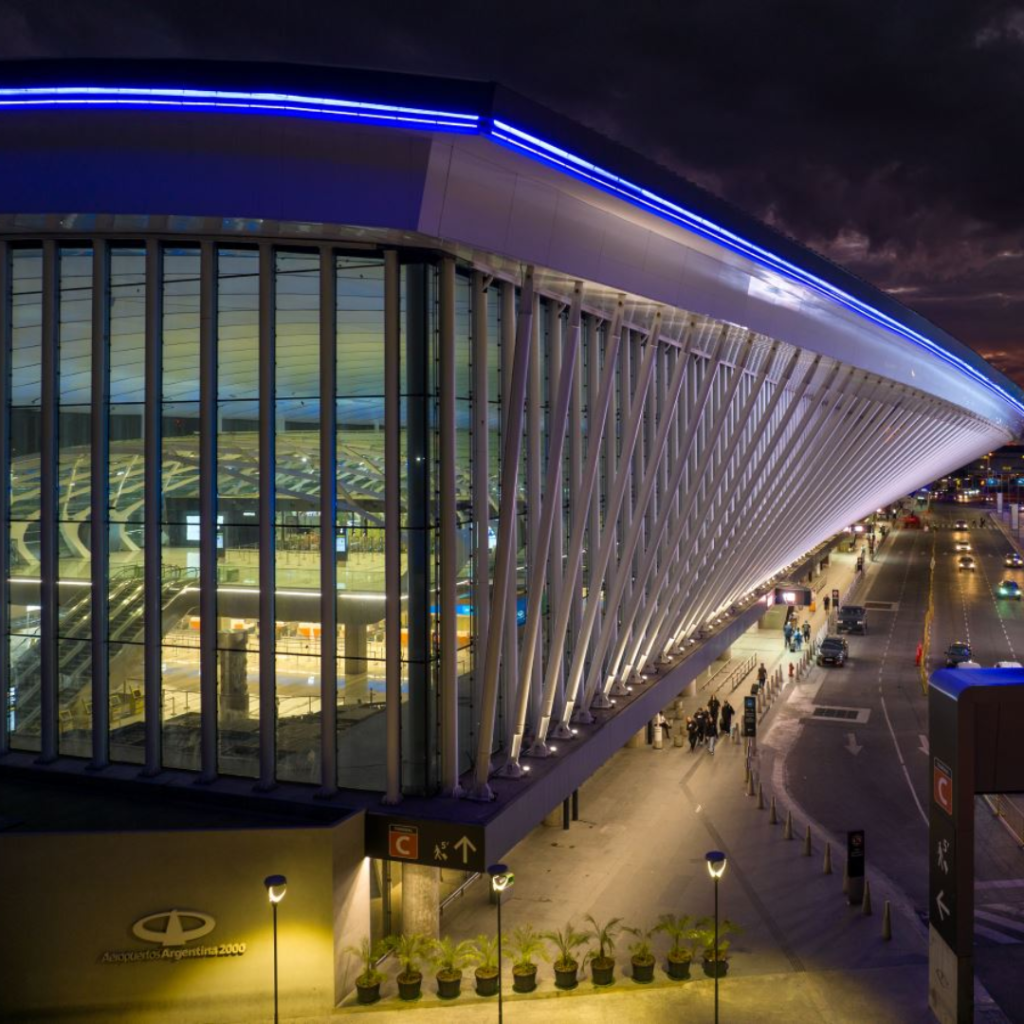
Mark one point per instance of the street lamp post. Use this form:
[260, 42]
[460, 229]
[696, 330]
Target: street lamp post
[716, 868]
[501, 879]
[277, 886]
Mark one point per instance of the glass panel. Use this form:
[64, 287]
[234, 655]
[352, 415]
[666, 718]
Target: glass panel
[74, 696]
[238, 323]
[181, 325]
[297, 525]
[180, 695]
[125, 652]
[127, 325]
[360, 313]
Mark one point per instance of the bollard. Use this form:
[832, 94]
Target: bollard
[659, 741]
[865, 907]
[746, 772]
[760, 797]
[826, 864]
[807, 842]
[750, 783]
[773, 818]
[788, 831]
[886, 922]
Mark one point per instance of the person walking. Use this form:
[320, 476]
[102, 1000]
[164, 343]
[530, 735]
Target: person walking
[727, 712]
[762, 678]
[828, 602]
[807, 632]
[691, 732]
[798, 639]
[787, 632]
[713, 705]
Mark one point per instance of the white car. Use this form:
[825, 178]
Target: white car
[1008, 664]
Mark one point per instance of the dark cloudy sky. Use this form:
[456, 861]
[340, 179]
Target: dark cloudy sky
[888, 135]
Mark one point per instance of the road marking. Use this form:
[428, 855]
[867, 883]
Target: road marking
[1001, 883]
[903, 764]
[852, 745]
[924, 743]
[1003, 922]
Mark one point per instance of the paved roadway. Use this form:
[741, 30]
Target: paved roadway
[871, 771]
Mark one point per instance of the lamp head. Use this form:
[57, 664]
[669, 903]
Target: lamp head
[716, 863]
[501, 877]
[277, 886]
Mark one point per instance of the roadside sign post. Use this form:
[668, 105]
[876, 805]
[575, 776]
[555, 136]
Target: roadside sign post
[750, 716]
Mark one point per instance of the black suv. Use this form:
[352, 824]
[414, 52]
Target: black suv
[852, 618]
[832, 651]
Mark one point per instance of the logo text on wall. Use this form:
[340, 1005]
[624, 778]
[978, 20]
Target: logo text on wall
[172, 931]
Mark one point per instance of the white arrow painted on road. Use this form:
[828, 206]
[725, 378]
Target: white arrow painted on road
[944, 911]
[852, 745]
[924, 743]
[466, 847]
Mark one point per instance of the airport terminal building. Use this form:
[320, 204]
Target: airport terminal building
[380, 453]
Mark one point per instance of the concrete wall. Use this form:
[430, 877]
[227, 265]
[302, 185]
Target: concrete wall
[78, 896]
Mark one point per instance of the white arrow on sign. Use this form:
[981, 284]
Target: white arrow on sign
[924, 743]
[852, 745]
[944, 911]
[466, 847]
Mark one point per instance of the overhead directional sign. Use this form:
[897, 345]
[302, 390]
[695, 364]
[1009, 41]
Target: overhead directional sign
[440, 844]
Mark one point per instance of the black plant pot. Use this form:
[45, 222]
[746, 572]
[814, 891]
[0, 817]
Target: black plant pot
[602, 970]
[524, 979]
[565, 977]
[449, 986]
[409, 986]
[643, 970]
[716, 968]
[679, 970]
[367, 993]
[486, 982]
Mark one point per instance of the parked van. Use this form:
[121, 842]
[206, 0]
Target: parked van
[852, 618]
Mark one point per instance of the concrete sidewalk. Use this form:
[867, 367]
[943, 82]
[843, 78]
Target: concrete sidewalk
[647, 817]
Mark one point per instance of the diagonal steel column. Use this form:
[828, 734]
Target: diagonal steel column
[534, 466]
[709, 498]
[802, 468]
[667, 619]
[505, 551]
[5, 486]
[481, 476]
[611, 516]
[552, 506]
[598, 407]
[509, 674]
[597, 664]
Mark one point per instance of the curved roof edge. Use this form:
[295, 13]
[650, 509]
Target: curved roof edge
[510, 119]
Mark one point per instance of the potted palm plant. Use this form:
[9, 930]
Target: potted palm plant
[682, 935]
[410, 951]
[602, 964]
[525, 945]
[566, 942]
[642, 954]
[716, 957]
[449, 957]
[485, 955]
[369, 980]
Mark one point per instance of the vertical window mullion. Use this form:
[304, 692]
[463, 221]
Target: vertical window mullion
[48, 506]
[267, 517]
[208, 511]
[153, 509]
[328, 523]
[99, 496]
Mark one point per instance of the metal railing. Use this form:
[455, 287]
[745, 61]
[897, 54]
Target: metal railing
[1011, 815]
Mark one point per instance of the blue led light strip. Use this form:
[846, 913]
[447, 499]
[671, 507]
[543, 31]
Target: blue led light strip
[502, 132]
[258, 102]
[639, 196]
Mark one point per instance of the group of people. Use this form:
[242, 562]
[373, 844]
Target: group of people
[707, 722]
[796, 636]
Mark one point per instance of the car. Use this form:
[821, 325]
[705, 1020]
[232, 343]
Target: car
[833, 651]
[1013, 561]
[1008, 664]
[957, 653]
[960, 524]
[1010, 589]
[962, 545]
[851, 618]
[966, 562]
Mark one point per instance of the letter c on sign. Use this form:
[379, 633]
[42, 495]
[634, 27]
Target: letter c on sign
[402, 846]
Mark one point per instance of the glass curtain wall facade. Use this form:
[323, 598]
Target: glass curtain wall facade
[218, 557]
